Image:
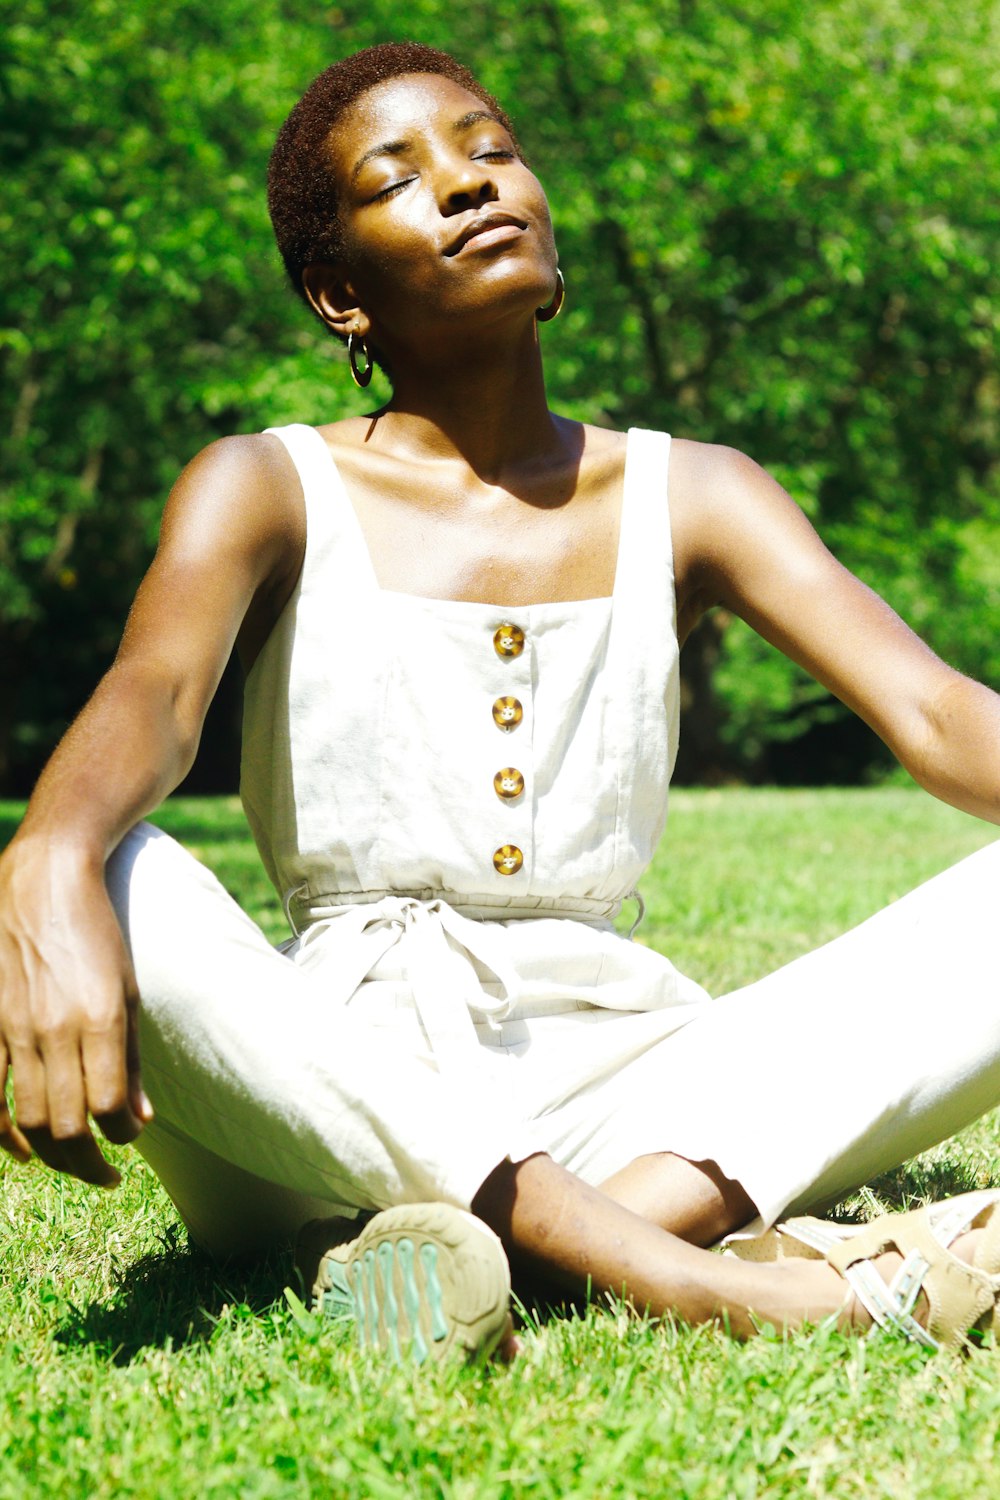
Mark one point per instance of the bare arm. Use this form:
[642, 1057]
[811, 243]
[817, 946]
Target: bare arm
[742, 542]
[229, 553]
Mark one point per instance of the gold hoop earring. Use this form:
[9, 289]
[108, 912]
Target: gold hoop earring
[554, 308]
[360, 377]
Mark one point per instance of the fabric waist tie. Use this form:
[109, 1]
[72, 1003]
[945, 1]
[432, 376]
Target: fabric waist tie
[441, 947]
[305, 904]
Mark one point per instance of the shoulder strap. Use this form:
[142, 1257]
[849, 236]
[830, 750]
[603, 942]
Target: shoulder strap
[330, 520]
[310, 455]
[645, 550]
[642, 649]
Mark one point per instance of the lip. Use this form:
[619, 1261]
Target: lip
[487, 228]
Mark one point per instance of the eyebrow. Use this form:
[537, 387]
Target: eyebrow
[387, 148]
[396, 148]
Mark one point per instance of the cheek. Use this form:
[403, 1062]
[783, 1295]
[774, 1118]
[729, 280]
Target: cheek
[396, 248]
[539, 205]
[382, 268]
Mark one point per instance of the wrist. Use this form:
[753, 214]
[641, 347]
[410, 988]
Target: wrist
[78, 851]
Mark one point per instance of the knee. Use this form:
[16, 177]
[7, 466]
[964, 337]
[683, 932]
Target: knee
[120, 871]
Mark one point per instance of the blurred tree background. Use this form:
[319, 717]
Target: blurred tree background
[778, 228]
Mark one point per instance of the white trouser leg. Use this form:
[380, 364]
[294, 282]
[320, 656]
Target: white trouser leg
[273, 1105]
[864, 1052]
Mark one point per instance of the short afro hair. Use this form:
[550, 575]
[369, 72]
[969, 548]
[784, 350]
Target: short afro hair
[301, 189]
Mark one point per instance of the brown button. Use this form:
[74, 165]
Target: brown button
[508, 859]
[508, 639]
[507, 713]
[508, 783]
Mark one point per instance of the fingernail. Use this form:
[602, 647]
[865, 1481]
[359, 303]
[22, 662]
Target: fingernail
[140, 1105]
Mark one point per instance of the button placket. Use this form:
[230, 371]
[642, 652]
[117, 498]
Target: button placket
[509, 640]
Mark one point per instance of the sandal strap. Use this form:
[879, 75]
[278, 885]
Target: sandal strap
[890, 1306]
[953, 1217]
[957, 1294]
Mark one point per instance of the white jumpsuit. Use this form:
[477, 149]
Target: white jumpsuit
[454, 800]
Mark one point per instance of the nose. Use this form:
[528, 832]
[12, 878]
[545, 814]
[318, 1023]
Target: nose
[465, 184]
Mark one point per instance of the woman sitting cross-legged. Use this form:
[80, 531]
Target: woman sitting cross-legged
[460, 619]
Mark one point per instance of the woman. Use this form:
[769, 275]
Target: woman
[460, 619]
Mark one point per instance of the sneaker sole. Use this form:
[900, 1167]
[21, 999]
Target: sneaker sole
[422, 1281]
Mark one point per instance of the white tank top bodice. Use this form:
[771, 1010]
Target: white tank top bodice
[510, 762]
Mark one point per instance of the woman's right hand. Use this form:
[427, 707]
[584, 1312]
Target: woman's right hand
[231, 548]
[68, 1014]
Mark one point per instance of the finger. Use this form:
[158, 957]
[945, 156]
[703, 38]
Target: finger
[39, 1137]
[119, 1126]
[30, 1095]
[138, 1098]
[79, 1158]
[57, 1128]
[13, 1142]
[85, 1159]
[66, 1099]
[105, 1072]
[11, 1139]
[68, 1126]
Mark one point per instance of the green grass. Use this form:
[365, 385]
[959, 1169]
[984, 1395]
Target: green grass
[132, 1367]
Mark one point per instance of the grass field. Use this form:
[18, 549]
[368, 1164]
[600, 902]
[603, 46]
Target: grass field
[132, 1367]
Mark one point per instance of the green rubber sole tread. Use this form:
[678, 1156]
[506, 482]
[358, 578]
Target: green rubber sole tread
[416, 1295]
[372, 1301]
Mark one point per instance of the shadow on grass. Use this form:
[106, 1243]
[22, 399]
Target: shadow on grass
[536, 1302]
[176, 1296]
[169, 1298]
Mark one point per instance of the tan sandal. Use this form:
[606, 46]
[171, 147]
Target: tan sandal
[961, 1298]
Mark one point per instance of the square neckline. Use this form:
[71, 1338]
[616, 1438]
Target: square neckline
[626, 507]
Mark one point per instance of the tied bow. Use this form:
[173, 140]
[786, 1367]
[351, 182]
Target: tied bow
[443, 948]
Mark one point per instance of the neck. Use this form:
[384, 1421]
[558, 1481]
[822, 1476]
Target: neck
[484, 404]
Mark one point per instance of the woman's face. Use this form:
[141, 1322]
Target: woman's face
[441, 218]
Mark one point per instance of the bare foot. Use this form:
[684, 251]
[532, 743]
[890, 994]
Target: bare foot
[855, 1315]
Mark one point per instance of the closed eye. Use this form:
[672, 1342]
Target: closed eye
[393, 188]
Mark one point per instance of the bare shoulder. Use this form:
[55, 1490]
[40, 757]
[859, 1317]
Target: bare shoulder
[727, 513]
[744, 543]
[239, 495]
[252, 468]
[714, 475]
[231, 546]
[600, 440]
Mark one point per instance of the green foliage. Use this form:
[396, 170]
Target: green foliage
[775, 223]
[148, 316]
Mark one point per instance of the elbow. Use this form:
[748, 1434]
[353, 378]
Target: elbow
[953, 750]
[186, 750]
[171, 714]
[187, 724]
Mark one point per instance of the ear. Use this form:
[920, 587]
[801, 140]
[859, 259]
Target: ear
[332, 296]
